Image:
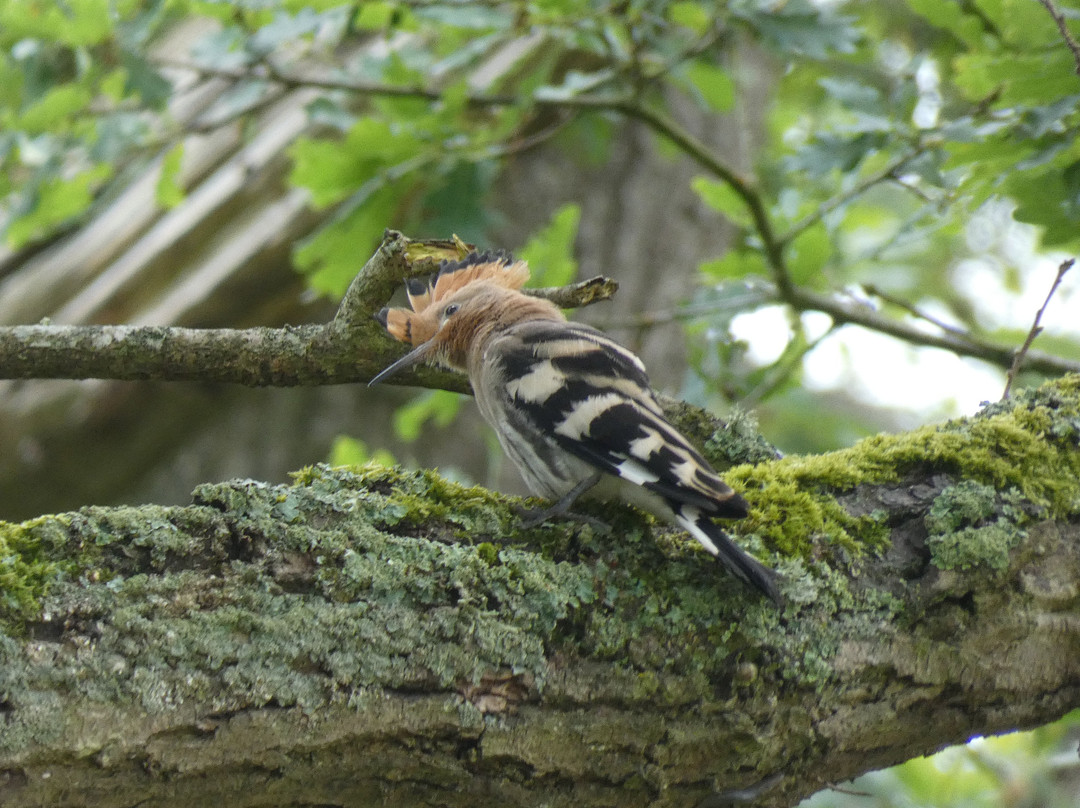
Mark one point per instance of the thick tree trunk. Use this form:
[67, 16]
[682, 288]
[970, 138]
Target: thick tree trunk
[374, 637]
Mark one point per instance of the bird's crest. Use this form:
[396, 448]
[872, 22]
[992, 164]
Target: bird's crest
[413, 327]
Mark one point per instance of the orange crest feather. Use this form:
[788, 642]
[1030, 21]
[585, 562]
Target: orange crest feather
[420, 324]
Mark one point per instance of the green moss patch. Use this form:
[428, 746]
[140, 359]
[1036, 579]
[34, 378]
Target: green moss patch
[29, 563]
[1030, 443]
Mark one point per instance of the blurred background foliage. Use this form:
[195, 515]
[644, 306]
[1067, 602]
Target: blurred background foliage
[761, 177]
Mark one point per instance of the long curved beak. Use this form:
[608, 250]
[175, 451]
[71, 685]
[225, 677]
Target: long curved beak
[413, 357]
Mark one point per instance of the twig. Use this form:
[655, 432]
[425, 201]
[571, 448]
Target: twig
[753, 295]
[578, 294]
[743, 186]
[846, 312]
[874, 291]
[853, 792]
[800, 299]
[1036, 329]
[527, 142]
[890, 172]
[628, 106]
[1070, 41]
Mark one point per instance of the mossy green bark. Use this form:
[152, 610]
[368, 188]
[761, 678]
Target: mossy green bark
[371, 636]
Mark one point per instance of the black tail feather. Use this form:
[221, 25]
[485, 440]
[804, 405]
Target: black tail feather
[742, 565]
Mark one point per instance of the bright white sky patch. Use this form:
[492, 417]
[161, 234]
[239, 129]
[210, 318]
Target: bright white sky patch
[766, 332]
[886, 372]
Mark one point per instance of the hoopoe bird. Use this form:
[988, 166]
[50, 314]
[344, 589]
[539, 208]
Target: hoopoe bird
[573, 409]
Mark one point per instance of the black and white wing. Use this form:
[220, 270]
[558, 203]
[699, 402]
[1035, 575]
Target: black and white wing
[591, 397]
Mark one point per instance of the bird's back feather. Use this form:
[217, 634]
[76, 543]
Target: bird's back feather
[595, 402]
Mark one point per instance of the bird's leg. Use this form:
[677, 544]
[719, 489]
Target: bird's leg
[561, 506]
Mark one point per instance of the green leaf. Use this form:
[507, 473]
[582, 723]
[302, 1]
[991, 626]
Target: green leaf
[225, 49]
[831, 152]
[144, 80]
[456, 199]
[722, 198]
[55, 110]
[550, 252]
[472, 16]
[439, 406]
[77, 23]
[712, 83]
[169, 191]
[588, 139]
[575, 82]
[284, 29]
[116, 134]
[854, 95]
[332, 169]
[735, 265]
[1022, 78]
[694, 16]
[336, 252]
[346, 451]
[1050, 199]
[114, 84]
[953, 17]
[988, 155]
[808, 254]
[1025, 25]
[801, 27]
[58, 200]
[375, 15]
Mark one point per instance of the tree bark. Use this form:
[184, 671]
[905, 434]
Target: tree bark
[350, 348]
[374, 637]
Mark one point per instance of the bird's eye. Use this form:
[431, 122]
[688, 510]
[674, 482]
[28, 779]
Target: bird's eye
[451, 309]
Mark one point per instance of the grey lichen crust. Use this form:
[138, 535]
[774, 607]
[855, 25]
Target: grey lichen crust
[390, 635]
[332, 598]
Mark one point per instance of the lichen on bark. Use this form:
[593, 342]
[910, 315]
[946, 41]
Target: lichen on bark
[371, 631]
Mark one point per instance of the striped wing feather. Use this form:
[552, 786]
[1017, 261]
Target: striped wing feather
[593, 396]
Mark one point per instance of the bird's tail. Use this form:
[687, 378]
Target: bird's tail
[744, 566]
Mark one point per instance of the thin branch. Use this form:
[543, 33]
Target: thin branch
[910, 308]
[788, 362]
[1036, 328]
[266, 71]
[846, 312]
[526, 142]
[849, 791]
[1070, 41]
[890, 172]
[578, 294]
[743, 186]
[753, 295]
[380, 276]
[631, 107]
[351, 348]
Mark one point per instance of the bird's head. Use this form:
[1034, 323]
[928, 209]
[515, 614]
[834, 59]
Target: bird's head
[458, 309]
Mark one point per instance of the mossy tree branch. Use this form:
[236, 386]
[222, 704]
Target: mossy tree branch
[370, 637]
[350, 348]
